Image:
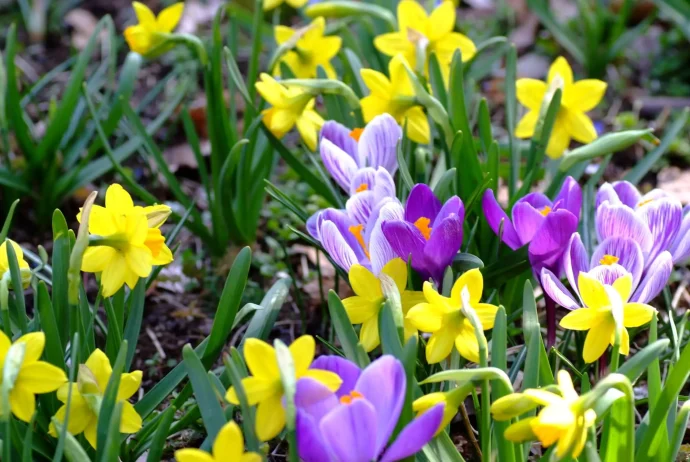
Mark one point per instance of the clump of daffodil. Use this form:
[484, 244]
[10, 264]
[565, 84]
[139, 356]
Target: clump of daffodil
[273, 4]
[152, 33]
[577, 98]
[419, 35]
[562, 419]
[309, 49]
[292, 106]
[363, 308]
[395, 96]
[264, 386]
[447, 318]
[228, 447]
[87, 396]
[126, 240]
[27, 375]
[603, 303]
[5, 263]
[452, 400]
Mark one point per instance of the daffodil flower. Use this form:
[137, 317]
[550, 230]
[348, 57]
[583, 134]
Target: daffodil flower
[364, 307]
[292, 106]
[562, 421]
[87, 396]
[445, 319]
[451, 400]
[273, 4]
[577, 98]
[228, 447]
[129, 241]
[602, 304]
[152, 32]
[5, 263]
[264, 386]
[310, 49]
[396, 97]
[420, 34]
[29, 376]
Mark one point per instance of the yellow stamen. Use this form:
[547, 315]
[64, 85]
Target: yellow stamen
[362, 187]
[347, 399]
[356, 133]
[645, 202]
[422, 224]
[608, 260]
[356, 231]
[546, 210]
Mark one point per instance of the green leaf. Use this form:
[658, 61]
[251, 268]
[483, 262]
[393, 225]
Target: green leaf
[248, 414]
[134, 318]
[388, 331]
[345, 332]
[537, 369]
[155, 449]
[442, 449]
[107, 412]
[499, 346]
[680, 429]
[562, 35]
[511, 119]
[53, 349]
[211, 411]
[635, 366]
[263, 321]
[444, 187]
[8, 221]
[111, 449]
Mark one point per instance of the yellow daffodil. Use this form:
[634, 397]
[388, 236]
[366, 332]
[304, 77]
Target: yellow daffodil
[272, 4]
[395, 96]
[228, 447]
[445, 319]
[576, 99]
[152, 32]
[310, 49]
[87, 395]
[562, 419]
[420, 34]
[602, 304]
[291, 106]
[28, 376]
[452, 400]
[264, 387]
[364, 307]
[5, 263]
[129, 240]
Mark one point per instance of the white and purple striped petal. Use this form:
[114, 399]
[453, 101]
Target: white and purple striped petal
[680, 248]
[341, 136]
[656, 278]
[339, 164]
[380, 250]
[575, 260]
[618, 220]
[379, 143]
[663, 216]
[627, 252]
[557, 291]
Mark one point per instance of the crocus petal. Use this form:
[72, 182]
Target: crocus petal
[378, 143]
[314, 398]
[338, 163]
[380, 249]
[619, 220]
[627, 193]
[607, 274]
[664, 217]
[336, 246]
[570, 196]
[339, 135]
[655, 279]
[527, 221]
[495, 216]
[537, 200]
[359, 206]
[453, 206]
[363, 180]
[575, 260]
[311, 446]
[607, 192]
[407, 241]
[556, 290]
[421, 203]
[384, 185]
[680, 247]
[313, 225]
[383, 384]
[415, 435]
[347, 370]
[343, 223]
[350, 431]
[626, 250]
[443, 245]
[550, 240]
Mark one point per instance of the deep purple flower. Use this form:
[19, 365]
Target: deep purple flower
[612, 259]
[544, 225]
[430, 232]
[356, 424]
[655, 221]
[345, 152]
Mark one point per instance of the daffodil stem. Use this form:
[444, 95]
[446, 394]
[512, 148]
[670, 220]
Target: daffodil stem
[615, 354]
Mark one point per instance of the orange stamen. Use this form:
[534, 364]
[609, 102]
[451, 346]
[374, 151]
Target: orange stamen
[347, 399]
[546, 210]
[356, 231]
[362, 187]
[356, 133]
[645, 202]
[422, 224]
[608, 260]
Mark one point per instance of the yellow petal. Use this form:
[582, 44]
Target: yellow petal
[129, 384]
[40, 377]
[473, 281]
[520, 431]
[441, 304]
[581, 127]
[170, 17]
[229, 443]
[272, 4]
[308, 126]
[512, 405]
[270, 90]
[598, 339]
[113, 276]
[329, 47]
[193, 455]
[251, 456]
[4, 346]
[376, 82]
[145, 16]
[560, 138]
[369, 334]
[360, 309]
[467, 344]
[425, 317]
[302, 351]
[552, 422]
[22, 403]
[410, 298]
[270, 418]
[565, 383]
[96, 259]
[542, 397]
[411, 15]
[261, 359]
[624, 347]
[79, 416]
[446, 47]
[373, 106]
[426, 402]
[155, 214]
[297, 3]
[637, 314]
[392, 43]
[364, 283]
[400, 79]
[486, 314]
[441, 21]
[99, 365]
[90, 431]
[440, 345]
[397, 270]
[35, 343]
[138, 38]
[623, 286]
[580, 319]
[592, 291]
[561, 68]
[256, 390]
[282, 34]
[530, 93]
[525, 128]
[139, 260]
[418, 129]
[584, 95]
[130, 421]
[330, 379]
[116, 198]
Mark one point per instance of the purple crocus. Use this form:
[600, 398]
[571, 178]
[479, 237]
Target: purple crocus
[429, 232]
[356, 424]
[612, 259]
[345, 152]
[654, 220]
[544, 225]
